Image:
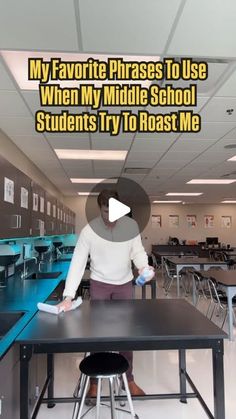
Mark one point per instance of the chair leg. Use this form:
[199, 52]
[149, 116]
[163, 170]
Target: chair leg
[167, 288]
[128, 395]
[113, 412]
[98, 398]
[226, 312]
[212, 312]
[83, 395]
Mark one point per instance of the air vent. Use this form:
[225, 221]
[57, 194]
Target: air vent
[229, 146]
[137, 170]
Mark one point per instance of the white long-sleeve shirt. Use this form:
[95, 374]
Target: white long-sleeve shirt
[110, 261]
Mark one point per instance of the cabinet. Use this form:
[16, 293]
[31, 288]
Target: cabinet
[38, 210]
[50, 215]
[26, 209]
[37, 377]
[15, 201]
[10, 384]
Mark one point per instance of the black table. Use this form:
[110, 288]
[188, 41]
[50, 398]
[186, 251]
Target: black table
[125, 325]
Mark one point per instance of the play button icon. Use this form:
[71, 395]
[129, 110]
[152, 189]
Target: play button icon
[128, 208]
[117, 210]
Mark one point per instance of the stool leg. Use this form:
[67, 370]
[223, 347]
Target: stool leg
[98, 398]
[119, 390]
[113, 413]
[128, 395]
[83, 395]
[77, 393]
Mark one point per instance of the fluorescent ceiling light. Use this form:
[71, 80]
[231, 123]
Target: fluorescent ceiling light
[88, 193]
[211, 181]
[76, 154]
[232, 158]
[228, 202]
[166, 202]
[184, 193]
[17, 62]
[92, 180]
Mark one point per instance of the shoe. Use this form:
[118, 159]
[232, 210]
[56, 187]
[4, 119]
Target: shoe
[92, 392]
[134, 389]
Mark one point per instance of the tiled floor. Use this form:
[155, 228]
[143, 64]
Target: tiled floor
[155, 372]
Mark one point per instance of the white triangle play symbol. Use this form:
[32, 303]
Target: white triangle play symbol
[116, 210]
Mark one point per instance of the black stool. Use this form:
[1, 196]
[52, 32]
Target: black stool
[102, 365]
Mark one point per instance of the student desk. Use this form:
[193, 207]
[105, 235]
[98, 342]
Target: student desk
[125, 325]
[195, 263]
[227, 280]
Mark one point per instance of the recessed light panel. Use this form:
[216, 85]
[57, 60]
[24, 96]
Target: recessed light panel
[75, 154]
[211, 181]
[232, 158]
[166, 202]
[184, 193]
[92, 180]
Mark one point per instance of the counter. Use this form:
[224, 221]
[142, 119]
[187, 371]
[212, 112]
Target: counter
[23, 295]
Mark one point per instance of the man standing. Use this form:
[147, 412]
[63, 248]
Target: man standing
[110, 265]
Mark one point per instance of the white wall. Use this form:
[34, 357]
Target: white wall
[183, 232]
[15, 156]
[160, 235]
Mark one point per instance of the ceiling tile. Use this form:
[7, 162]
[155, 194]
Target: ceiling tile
[45, 25]
[229, 87]
[144, 156]
[112, 143]
[210, 28]
[6, 82]
[149, 145]
[114, 27]
[216, 110]
[17, 125]
[211, 130]
[11, 104]
[69, 143]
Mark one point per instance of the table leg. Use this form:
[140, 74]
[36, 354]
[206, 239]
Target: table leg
[182, 378]
[178, 269]
[25, 356]
[50, 373]
[154, 288]
[218, 381]
[194, 299]
[162, 266]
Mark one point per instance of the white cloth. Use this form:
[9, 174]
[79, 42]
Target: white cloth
[110, 261]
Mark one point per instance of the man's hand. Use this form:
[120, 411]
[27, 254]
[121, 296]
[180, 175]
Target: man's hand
[151, 270]
[65, 305]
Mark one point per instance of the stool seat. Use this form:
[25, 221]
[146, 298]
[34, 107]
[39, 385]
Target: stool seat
[104, 364]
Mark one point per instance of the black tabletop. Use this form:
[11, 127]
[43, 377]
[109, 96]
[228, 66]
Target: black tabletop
[130, 321]
[227, 278]
[195, 260]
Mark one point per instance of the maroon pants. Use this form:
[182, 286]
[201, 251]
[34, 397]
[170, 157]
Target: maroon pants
[101, 291]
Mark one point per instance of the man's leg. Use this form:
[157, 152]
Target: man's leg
[98, 291]
[125, 292]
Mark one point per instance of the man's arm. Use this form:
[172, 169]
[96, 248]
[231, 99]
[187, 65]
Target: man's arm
[138, 253]
[77, 266]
